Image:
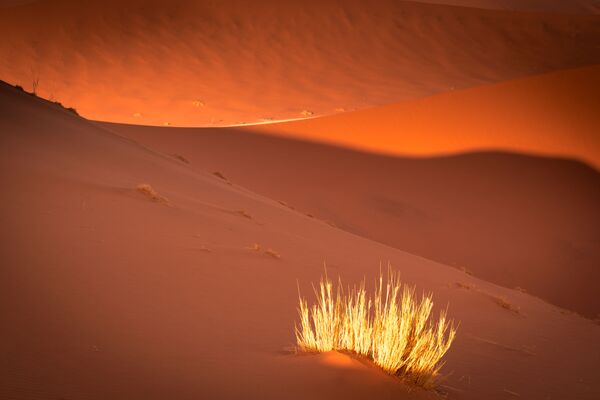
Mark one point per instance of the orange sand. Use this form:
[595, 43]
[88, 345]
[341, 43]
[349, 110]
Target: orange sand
[192, 63]
[108, 294]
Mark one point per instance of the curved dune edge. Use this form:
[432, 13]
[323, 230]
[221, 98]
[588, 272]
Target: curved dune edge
[554, 114]
[200, 63]
[513, 218]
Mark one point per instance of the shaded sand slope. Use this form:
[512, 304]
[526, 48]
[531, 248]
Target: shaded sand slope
[516, 220]
[558, 6]
[105, 293]
[552, 114]
[195, 63]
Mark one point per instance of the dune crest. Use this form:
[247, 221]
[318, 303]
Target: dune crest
[201, 63]
[515, 219]
[552, 114]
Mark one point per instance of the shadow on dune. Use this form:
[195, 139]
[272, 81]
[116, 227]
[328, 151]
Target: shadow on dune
[515, 220]
[102, 283]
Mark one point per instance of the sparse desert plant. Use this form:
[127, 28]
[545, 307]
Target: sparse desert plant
[70, 109]
[467, 286]
[392, 327]
[272, 253]
[255, 247]
[34, 85]
[150, 193]
[243, 213]
[35, 79]
[181, 158]
[220, 175]
[502, 302]
[204, 249]
[465, 270]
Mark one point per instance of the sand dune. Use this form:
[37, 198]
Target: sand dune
[190, 63]
[554, 114]
[106, 293]
[516, 220]
[142, 262]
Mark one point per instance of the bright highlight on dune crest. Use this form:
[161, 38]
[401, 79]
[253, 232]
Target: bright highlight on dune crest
[392, 327]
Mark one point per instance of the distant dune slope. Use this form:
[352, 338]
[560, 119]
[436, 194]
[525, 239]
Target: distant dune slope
[516, 220]
[554, 114]
[106, 293]
[196, 63]
[557, 6]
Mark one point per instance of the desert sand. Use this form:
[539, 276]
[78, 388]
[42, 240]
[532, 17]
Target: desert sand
[191, 63]
[457, 142]
[518, 220]
[108, 293]
[553, 114]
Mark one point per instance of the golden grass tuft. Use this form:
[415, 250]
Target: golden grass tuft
[392, 327]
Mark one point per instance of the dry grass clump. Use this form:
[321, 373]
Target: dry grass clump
[391, 327]
[243, 213]
[498, 300]
[467, 286]
[255, 247]
[181, 158]
[502, 302]
[150, 193]
[269, 252]
[51, 99]
[220, 176]
[283, 203]
[272, 253]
